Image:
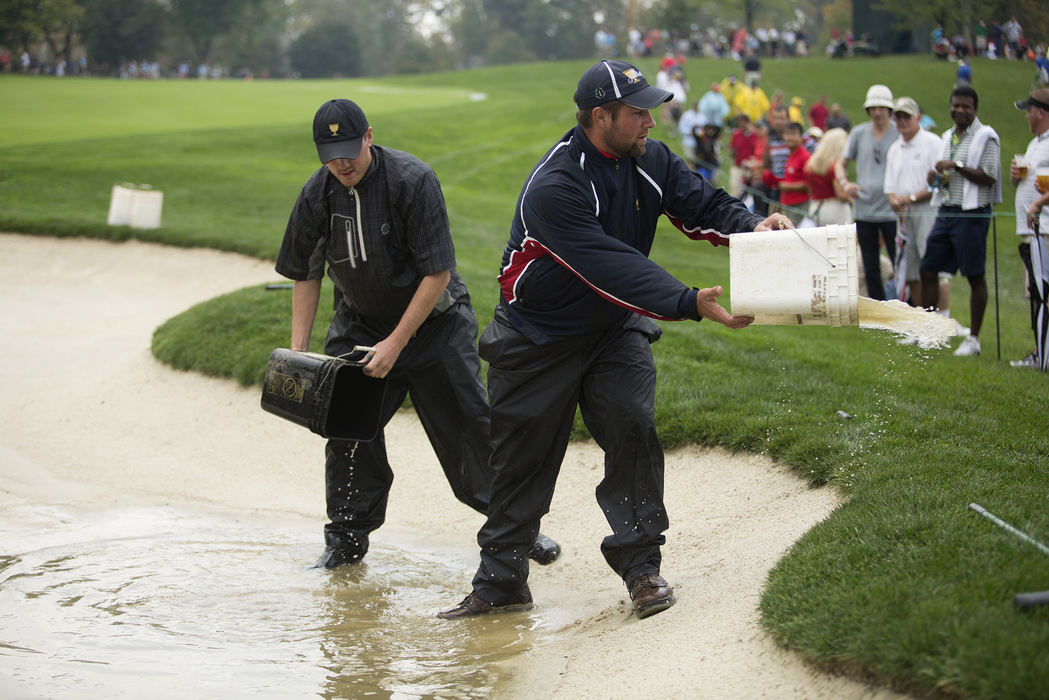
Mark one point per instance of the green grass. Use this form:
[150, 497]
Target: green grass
[903, 584]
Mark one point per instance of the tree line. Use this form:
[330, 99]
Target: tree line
[325, 38]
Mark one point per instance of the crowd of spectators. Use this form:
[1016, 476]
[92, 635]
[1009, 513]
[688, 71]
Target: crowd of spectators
[697, 42]
[30, 63]
[995, 40]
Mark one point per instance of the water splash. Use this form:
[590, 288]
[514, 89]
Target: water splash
[927, 328]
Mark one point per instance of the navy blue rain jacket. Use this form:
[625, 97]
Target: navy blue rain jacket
[577, 258]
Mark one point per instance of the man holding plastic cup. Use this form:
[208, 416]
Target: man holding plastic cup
[1031, 211]
[971, 155]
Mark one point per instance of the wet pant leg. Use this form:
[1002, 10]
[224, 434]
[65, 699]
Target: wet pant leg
[443, 374]
[357, 474]
[533, 392]
[618, 407]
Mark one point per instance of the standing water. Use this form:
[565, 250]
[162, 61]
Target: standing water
[161, 602]
[929, 329]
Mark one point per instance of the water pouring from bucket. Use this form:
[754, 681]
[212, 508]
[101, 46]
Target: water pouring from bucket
[810, 276]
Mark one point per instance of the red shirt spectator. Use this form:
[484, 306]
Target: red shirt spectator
[792, 189]
[744, 145]
[818, 113]
[820, 186]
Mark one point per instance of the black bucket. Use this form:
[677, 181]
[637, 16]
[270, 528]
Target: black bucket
[330, 396]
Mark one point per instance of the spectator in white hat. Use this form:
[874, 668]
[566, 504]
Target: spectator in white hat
[868, 146]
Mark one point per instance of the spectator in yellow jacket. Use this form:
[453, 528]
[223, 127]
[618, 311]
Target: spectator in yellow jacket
[753, 102]
[730, 87]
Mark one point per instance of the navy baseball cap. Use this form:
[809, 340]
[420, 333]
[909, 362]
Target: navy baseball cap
[338, 128]
[617, 80]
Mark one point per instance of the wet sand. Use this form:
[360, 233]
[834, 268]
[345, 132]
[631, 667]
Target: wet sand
[90, 422]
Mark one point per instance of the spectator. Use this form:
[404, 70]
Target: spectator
[752, 101]
[907, 166]
[828, 201]
[1041, 66]
[713, 106]
[1032, 223]
[1013, 34]
[743, 145]
[837, 119]
[818, 113]
[995, 37]
[969, 171]
[677, 86]
[811, 139]
[964, 73]
[751, 69]
[730, 88]
[875, 221]
[794, 194]
[708, 152]
[773, 163]
[690, 120]
[981, 38]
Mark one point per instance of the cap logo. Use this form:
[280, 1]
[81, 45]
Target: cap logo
[599, 93]
[632, 75]
[334, 129]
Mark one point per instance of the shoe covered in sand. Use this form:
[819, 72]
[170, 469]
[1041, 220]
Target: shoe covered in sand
[650, 594]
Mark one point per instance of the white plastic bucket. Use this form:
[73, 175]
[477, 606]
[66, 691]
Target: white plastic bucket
[145, 208]
[120, 205]
[138, 206]
[796, 277]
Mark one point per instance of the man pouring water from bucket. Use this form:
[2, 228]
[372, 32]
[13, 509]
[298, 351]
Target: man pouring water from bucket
[376, 219]
[573, 328]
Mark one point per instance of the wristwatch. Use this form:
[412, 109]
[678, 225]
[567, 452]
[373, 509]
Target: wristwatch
[913, 198]
[958, 165]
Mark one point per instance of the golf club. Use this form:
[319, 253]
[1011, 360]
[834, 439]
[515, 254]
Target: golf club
[1022, 601]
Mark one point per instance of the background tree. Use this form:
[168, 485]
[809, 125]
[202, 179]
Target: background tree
[200, 21]
[57, 21]
[326, 50]
[18, 27]
[114, 31]
[381, 30]
[469, 29]
[258, 42]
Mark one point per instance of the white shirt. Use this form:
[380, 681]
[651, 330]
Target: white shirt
[908, 163]
[690, 119]
[675, 86]
[1037, 157]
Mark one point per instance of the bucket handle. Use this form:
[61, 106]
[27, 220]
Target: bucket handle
[814, 249]
[360, 355]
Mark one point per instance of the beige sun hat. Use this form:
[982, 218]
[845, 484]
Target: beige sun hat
[878, 96]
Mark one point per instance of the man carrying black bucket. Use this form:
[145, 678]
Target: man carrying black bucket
[376, 218]
[573, 328]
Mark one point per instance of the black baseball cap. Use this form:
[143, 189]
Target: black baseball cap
[338, 128]
[1038, 97]
[617, 80]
